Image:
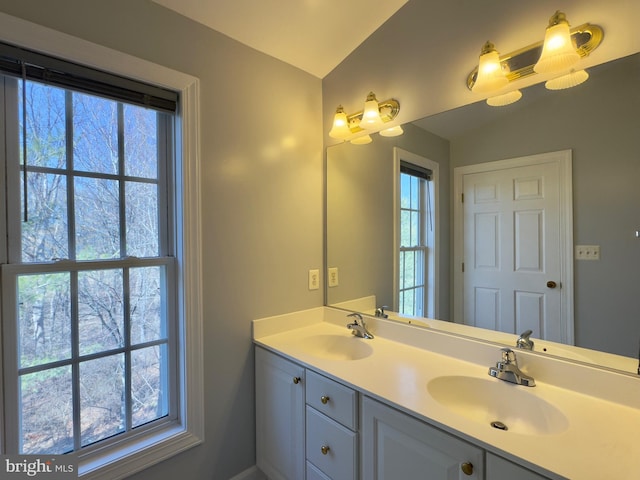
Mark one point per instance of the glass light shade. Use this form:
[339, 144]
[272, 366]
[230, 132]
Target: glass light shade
[569, 80]
[558, 50]
[392, 132]
[505, 99]
[340, 127]
[371, 116]
[362, 140]
[490, 75]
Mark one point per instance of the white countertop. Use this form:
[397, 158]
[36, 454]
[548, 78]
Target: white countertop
[602, 440]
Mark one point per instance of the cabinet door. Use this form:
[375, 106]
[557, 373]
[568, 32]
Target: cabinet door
[280, 417]
[500, 469]
[396, 445]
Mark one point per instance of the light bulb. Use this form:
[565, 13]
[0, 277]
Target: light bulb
[504, 99]
[569, 80]
[392, 132]
[558, 50]
[340, 127]
[362, 140]
[371, 119]
[490, 75]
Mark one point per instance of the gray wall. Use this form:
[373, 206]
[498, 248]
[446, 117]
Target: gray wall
[262, 198]
[360, 210]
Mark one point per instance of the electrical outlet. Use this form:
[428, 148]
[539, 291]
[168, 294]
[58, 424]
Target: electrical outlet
[587, 252]
[314, 279]
[333, 276]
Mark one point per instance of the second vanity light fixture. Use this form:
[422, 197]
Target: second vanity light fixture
[556, 56]
[358, 126]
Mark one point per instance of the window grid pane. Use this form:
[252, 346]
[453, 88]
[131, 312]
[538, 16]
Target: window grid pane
[413, 251]
[99, 332]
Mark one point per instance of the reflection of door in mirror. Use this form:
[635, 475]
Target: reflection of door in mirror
[415, 237]
[516, 241]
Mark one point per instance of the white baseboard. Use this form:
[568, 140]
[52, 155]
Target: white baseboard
[250, 474]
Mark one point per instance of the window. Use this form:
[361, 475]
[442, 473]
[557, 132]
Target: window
[416, 226]
[95, 331]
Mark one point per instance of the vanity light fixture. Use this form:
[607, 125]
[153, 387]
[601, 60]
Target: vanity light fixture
[356, 127]
[555, 58]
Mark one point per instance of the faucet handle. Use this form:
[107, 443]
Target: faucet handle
[524, 341]
[508, 356]
[357, 318]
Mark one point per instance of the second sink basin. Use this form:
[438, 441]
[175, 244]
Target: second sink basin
[498, 404]
[336, 347]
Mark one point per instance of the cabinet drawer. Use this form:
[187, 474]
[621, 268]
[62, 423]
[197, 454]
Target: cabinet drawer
[332, 399]
[339, 458]
[313, 473]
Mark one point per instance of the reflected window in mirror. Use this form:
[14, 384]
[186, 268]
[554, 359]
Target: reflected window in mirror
[416, 234]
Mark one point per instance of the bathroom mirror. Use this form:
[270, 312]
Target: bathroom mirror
[599, 121]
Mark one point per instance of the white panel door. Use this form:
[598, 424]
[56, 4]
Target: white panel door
[513, 249]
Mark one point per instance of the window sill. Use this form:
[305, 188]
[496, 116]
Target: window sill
[132, 456]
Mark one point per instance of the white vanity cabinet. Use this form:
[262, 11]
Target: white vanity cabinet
[500, 469]
[332, 424]
[280, 417]
[396, 445]
[311, 427]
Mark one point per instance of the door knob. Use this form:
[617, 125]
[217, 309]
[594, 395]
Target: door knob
[324, 399]
[551, 284]
[296, 380]
[324, 449]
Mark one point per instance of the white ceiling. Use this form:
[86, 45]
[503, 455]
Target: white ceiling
[313, 35]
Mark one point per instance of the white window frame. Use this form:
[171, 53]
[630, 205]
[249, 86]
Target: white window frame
[121, 459]
[432, 258]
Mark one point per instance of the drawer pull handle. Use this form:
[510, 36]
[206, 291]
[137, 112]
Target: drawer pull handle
[467, 468]
[324, 449]
[296, 380]
[324, 399]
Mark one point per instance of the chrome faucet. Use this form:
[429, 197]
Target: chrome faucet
[524, 341]
[379, 312]
[507, 370]
[358, 327]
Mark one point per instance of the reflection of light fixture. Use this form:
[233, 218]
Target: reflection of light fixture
[370, 120]
[569, 80]
[505, 99]
[362, 140]
[490, 74]
[392, 132]
[527, 61]
[558, 51]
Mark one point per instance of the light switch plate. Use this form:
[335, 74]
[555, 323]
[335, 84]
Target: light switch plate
[587, 252]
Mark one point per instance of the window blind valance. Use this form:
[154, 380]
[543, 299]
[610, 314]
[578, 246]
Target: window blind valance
[62, 73]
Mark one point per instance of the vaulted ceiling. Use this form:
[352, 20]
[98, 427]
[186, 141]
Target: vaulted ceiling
[313, 35]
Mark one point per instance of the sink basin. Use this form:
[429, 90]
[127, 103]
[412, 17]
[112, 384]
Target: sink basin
[498, 404]
[336, 347]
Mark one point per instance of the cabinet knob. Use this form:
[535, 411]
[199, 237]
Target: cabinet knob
[467, 468]
[296, 380]
[324, 399]
[324, 449]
